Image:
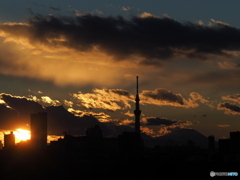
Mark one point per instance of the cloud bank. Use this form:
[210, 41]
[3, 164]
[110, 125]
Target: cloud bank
[229, 108]
[87, 46]
[150, 38]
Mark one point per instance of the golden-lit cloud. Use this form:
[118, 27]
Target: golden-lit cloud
[156, 126]
[147, 131]
[196, 96]
[126, 9]
[105, 99]
[235, 98]
[119, 99]
[60, 65]
[162, 96]
[89, 49]
[129, 114]
[219, 22]
[229, 108]
[224, 125]
[146, 15]
[53, 138]
[126, 122]
[2, 101]
[163, 131]
[101, 116]
[48, 100]
[68, 103]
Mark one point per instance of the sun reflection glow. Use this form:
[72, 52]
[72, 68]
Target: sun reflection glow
[21, 135]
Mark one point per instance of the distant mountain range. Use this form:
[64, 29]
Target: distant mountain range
[179, 137]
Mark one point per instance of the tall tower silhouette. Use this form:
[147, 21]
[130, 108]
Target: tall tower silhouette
[137, 113]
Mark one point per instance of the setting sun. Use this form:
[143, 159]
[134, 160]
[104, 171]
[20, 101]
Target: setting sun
[22, 135]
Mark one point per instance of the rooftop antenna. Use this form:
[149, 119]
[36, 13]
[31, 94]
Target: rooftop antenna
[137, 84]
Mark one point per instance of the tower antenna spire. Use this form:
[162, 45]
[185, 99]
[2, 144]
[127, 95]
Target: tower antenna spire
[137, 111]
[137, 84]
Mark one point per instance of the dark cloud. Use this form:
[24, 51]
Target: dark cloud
[22, 105]
[54, 8]
[120, 92]
[171, 124]
[164, 95]
[8, 116]
[151, 38]
[159, 121]
[155, 126]
[229, 108]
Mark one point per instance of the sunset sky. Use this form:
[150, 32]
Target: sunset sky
[85, 55]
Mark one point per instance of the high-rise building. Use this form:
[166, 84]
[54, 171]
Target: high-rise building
[211, 142]
[38, 127]
[1, 145]
[9, 140]
[235, 141]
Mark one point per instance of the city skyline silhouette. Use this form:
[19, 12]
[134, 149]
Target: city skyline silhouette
[128, 147]
[151, 85]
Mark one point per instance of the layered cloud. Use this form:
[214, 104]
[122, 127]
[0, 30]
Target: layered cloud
[152, 121]
[156, 126]
[224, 125]
[16, 111]
[235, 98]
[162, 96]
[102, 117]
[119, 99]
[89, 49]
[151, 38]
[105, 99]
[229, 108]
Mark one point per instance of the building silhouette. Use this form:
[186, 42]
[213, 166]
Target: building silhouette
[94, 132]
[38, 125]
[9, 141]
[92, 143]
[1, 145]
[224, 145]
[235, 142]
[211, 142]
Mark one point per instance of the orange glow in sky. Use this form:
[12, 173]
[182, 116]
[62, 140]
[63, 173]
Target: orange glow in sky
[21, 135]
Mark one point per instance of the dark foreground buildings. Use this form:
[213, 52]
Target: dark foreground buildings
[9, 141]
[92, 154]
